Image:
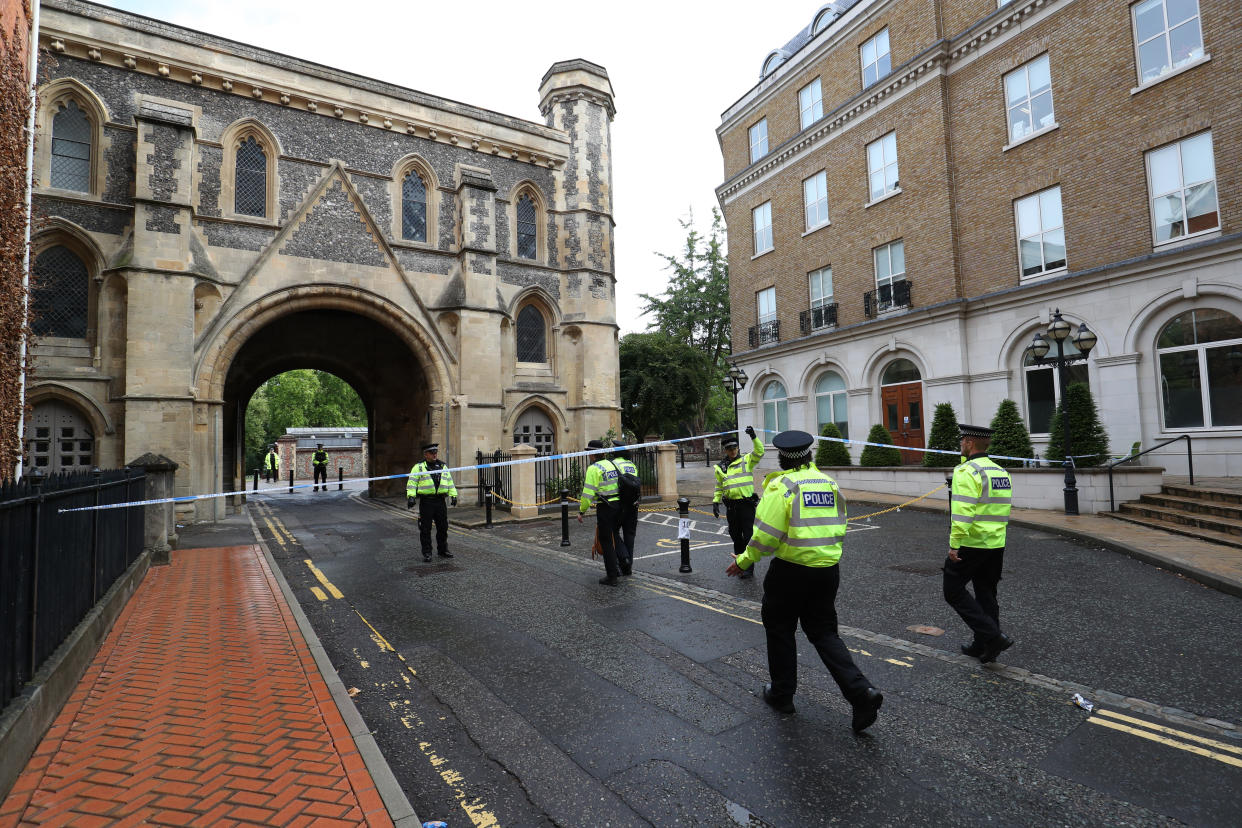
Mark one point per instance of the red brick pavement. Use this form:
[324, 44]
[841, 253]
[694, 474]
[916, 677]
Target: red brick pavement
[203, 707]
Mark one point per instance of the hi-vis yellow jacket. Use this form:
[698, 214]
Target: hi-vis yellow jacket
[801, 518]
[980, 500]
[271, 460]
[421, 483]
[737, 480]
[601, 481]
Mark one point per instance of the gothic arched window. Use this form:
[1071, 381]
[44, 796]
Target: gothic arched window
[60, 295]
[250, 179]
[71, 149]
[414, 207]
[531, 336]
[527, 228]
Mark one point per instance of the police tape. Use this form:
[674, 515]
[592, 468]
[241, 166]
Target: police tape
[1038, 461]
[543, 458]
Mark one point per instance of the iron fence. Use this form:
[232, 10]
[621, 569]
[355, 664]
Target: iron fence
[501, 479]
[56, 566]
[554, 474]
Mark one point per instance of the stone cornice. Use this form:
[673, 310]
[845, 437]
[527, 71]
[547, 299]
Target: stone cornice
[578, 93]
[299, 84]
[1119, 359]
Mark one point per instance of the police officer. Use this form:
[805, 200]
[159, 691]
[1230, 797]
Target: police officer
[319, 462]
[735, 487]
[271, 465]
[979, 501]
[627, 517]
[430, 487]
[801, 520]
[600, 489]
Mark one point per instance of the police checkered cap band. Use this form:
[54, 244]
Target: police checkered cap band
[794, 454]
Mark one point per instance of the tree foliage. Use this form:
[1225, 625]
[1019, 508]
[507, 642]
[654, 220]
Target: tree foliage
[945, 435]
[1089, 439]
[298, 399]
[831, 452]
[664, 383]
[1009, 435]
[876, 455]
[694, 310]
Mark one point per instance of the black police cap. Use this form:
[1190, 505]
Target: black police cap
[792, 442]
[729, 442]
[595, 444]
[431, 447]
[976, 431]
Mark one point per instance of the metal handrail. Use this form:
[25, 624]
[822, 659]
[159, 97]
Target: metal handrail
[1190, 464]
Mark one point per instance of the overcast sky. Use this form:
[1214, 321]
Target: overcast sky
[675, 67]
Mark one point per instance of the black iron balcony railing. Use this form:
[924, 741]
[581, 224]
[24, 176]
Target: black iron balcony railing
[886, 298]
[824, 316]
[765, 333]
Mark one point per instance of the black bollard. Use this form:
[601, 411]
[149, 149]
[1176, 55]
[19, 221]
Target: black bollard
[683, 514]
[564, 517]
[290, 481]
[256, 480]
[681, 455]
[707, 457]
[340, 478]
[487, 503]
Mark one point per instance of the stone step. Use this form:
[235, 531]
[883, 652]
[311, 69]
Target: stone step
[1203, 493]
[1194, 505]
[1222, 538]
[1183, 519]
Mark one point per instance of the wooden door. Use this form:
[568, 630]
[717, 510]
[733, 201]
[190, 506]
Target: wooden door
[903, 417]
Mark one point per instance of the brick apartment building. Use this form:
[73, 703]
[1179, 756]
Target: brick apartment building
[914, 186]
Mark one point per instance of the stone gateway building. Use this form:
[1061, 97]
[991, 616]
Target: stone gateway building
[216, 214]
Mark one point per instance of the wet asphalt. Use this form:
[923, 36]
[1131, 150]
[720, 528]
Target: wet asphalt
[506, 687]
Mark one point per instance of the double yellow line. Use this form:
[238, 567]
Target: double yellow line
[1169, 736]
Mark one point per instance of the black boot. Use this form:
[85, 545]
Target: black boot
[866, 709]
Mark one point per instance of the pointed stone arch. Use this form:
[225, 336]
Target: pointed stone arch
[53, 97]
[416, 164]
[544, 404]
[234, 135]
[59, 232]
[526, 188]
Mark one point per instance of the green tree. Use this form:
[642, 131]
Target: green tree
[663, 383]
[1090, 439]
[298, 399]
[694, 310]
[1009, 435]
[945, 435]
[830, 452]
[877, 456]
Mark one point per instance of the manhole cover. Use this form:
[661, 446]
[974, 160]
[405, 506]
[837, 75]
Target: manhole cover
[421, 569]
[917, 569]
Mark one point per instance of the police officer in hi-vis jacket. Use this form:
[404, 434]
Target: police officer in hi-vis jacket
[735, 488]
[430, 487]
[801, 521]
[979, 501]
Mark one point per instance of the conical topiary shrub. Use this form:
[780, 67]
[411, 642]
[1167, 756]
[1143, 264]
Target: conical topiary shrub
[944, 435]
[830, 452]
[1090, 441]
[877, 456]
[1009, 435]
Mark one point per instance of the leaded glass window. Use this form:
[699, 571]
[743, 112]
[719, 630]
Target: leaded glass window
[530, 335]
[250, 179]
[71, 149]
[414, 208]
[60, 294]
[527, 228]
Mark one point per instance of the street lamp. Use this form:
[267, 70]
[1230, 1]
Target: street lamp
[735, 381]
[1084, 340]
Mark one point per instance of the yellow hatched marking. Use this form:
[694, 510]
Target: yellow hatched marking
[319, 593]
[1195, 749]
[319, 576]
[898, 663]
[1181, 734]
[282, 527]
[272, 529]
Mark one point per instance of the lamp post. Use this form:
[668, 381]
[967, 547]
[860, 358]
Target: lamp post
[1084, 340]
[735, 381]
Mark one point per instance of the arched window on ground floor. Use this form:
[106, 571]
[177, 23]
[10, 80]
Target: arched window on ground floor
[534, 428]
[1043, 386]
[775, 409]
[1200, 356]
[59, 438]
[830, 403]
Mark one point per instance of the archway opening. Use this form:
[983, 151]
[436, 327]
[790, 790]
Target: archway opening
[389, 379]
[301, 409]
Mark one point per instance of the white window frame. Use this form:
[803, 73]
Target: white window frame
[893, 276]
[780, 407]
[761, 218]
[758, 142]
[1042, 211]
[879, 59]
[814, 278]
[1057, 391]
[838, 402]
[810, 103]
[769, 294]
[885, 147]
[1170, 67]
[1024, 73]
[1199, 349]
[815, 200]
[1181, 190]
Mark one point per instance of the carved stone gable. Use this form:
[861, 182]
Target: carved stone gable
[335, 230]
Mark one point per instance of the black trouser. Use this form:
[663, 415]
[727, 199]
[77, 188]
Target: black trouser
[607, 523]
[432, 508]
[321, 470]
[273, 475]
[793, 593]
[741, 515]
[980, 611]
[623, 535]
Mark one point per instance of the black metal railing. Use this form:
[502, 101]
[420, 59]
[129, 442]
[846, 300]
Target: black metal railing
[764, 333]
[825, 316]
[55, 566]
[501, 479]
[644, 459]
[554, 474]
[1190, 464]
[887, 297]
